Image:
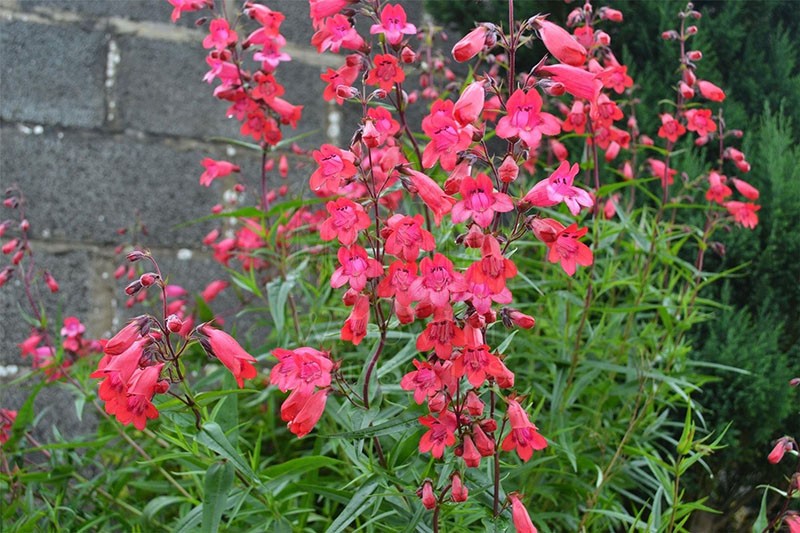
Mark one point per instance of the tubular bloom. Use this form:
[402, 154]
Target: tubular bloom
[560, 43]
[302, 371]
[230, 353]
[525, 120]
[470, 45]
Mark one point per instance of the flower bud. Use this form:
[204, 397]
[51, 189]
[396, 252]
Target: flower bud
[345, 92]
[689, 77]
[426, 494]
[691, 30]
[10, 246]
[669, 35]
[135, 256]
[51, 282]
[147, 279]
[602, 38]
[407, 55]
[613, 15]
[17, 257]
[458, 492]
[174, 324]
[686, 91]
[24, 225]
[5, 275]
[508, 170]
[133, 288]
[694, 55]
[794, 382]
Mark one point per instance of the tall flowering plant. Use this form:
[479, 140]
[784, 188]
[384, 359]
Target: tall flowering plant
[458, 206]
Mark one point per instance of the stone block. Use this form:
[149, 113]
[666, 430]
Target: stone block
[82, 187]
[52, 74]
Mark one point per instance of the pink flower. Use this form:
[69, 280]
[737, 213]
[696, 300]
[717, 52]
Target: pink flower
[393, 24]
[670, 128]
[344, 76]
[405, 236]
[559, 188]
[699, 120]
[7, 417]
[220, 35]
[337, 32]
[441, 433]
[469, 106]
[138, 406]
[480, 201]
[355, 327]
[334, 166]
[302, 411]
[441, 334]
[524, 436]
[386, 73]
[124, 338]
[319, 9]
[520, 516]
[710, 91]
[745, 189]
[458, 491]
[427, 496]
[783, 445]
[470, 45]
[578, 82]
[659, 170]
[184, 6]
[563, 244]
[230, 353]
[743, 213]
[792, 520]
[435, 281]
[213, 289]
[525, 119]
[346, 219]
[447, 138]
[215, 170]
[356, 267]
[431, 194]
[560, 43]
[424, 381]
[302, 368]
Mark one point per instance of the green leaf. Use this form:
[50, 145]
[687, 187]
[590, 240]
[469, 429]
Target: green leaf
[761, 522]
[387, 428]
[300, 465]
[358, 504]
[218, 481]
[214, 439]
[156, 504]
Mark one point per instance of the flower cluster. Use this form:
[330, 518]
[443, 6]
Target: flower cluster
[142, 359]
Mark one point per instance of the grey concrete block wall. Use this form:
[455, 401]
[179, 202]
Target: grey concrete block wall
[103, 114]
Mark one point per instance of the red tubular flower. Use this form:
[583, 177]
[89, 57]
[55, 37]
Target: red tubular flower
[138, 407]
[660, 170]
[560, 43]
[480, 201]
[699, 120]
[743, 213]
[337, 32]
[426, 494]
[520, 516]
[424, 381]
[471, 456]
[7, 417]
[670, 128]
[470, 45]
[216, 169]
[213, 289]
[469, 106]
[441, 433]
[356, 267]
[569, 251]
[306, 417]
[524, 436]
[559, 188]
[346, 219]
[393, 24]
[230, 353]
[220, 35]
[745, 189]
[525, 119]
[406, 237]
[334, 166]
[781, 447]
[355, 327]
[386, 73]
[302, 368]
[458, 491]
[432, 195]
[710, 91]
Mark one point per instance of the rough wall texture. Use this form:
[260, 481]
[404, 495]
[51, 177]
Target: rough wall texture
[102, 114]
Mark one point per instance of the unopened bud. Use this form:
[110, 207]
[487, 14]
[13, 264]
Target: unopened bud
[133, 288]
[135, 256]
[691, 30]
[50, 281]
[380, 94]
[5, 275]
[174, 324]
[669, 35]
[17, 257]
[602, 38]
[694, 55]
[24, 225]
[10, 246]
[695, 14]
[737, 133]
[689, 77]
[11, 202]
[120, 271]
[794, 382]
[701, 141]
[4, 227]
[553, 88]
[686, 91]
[407, 55]
[346, 92]
[147, 279]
